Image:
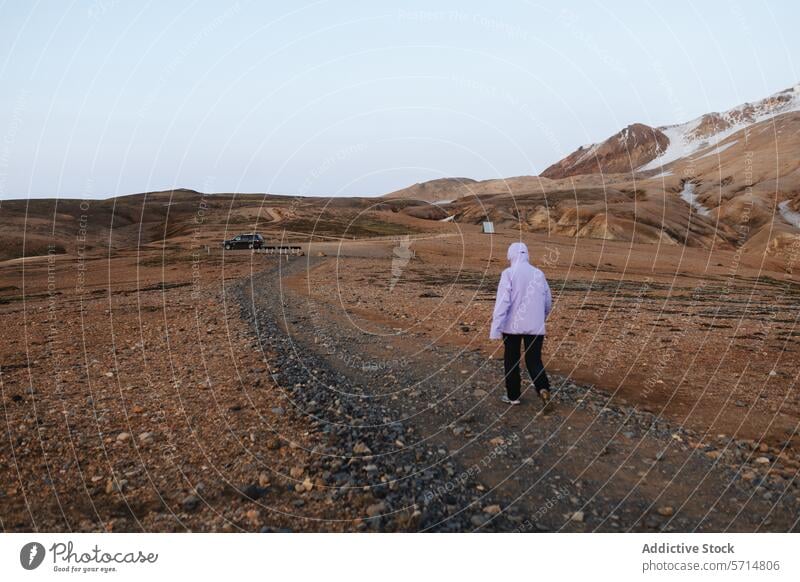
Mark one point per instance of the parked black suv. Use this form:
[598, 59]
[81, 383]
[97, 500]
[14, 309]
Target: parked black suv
[244, 241]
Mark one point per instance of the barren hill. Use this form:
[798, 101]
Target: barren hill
[632, 147]
[722, 181]
[442, 189]
[37, 227]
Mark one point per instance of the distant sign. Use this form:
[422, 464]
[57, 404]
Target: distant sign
[488, 227]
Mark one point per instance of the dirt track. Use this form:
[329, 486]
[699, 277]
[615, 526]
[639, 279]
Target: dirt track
[589, 465]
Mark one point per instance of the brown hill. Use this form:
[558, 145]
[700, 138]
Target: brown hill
[36, 227]
[632, 147]
[442, 189]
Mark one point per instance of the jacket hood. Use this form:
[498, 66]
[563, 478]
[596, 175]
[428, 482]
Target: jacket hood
[517, 252]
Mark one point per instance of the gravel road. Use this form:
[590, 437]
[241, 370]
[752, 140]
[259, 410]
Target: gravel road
[412, 437]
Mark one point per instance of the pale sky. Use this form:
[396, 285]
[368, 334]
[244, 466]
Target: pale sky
[110, 97]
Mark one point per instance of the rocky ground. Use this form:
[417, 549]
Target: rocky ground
[587, 465]
[171, 391]
[134, 399]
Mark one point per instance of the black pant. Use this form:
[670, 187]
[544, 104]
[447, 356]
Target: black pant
[533, 362]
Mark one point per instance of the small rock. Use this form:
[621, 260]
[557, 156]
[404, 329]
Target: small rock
[190, 502]
[361, 449]
[115, 485]
[123, 437]
[665, 511]
[577, 516]
[492, 509]
[296, 472]
[749, 475]
[653, 522]
[254, 492]
[478, 519]
[376, 509]
[762, 461]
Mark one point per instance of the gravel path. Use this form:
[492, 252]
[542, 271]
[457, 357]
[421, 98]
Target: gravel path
[418, 440]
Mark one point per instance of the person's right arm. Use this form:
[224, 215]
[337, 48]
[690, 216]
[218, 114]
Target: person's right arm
[501, 305]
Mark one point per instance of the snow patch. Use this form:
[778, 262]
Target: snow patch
[677, 148]
[719, 149]
[682, 143]
[664, 174]
[788, 214]
[589, 153]
[690, 198]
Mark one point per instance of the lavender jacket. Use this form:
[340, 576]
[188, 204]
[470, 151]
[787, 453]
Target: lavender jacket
[523, 297]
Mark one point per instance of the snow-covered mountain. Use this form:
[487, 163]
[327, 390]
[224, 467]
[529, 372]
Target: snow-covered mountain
[640, 148]
[712, 128]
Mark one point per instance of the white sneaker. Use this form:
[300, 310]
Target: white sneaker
[507, 400]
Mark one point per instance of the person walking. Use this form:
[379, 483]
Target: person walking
[521, 308]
